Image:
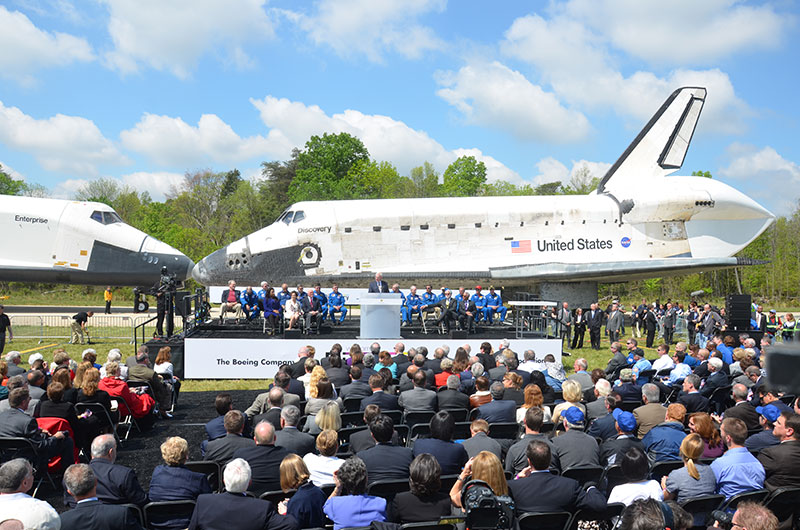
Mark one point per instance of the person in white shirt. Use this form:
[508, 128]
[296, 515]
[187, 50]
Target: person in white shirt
[635, 468]
[115, 356]
[16, 477]
[664, 360]
[322, 466]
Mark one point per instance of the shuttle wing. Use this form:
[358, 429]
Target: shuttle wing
[661, 146]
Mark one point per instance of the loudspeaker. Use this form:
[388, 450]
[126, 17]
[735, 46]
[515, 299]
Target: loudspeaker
[737, 311]
[183, 307]
[293, 334]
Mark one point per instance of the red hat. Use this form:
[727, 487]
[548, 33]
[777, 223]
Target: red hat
[477, 287]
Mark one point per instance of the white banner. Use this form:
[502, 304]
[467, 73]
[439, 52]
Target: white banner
[260, 358]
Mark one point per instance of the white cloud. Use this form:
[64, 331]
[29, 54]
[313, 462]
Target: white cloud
[681, 32]
[551, 170]
[493, 95]
[174, 35]
[157, 184]
[578, 64]
[60, 143]
[369, 28]
[385, 138]
[173, 142]
[758, 166]
[24, 48]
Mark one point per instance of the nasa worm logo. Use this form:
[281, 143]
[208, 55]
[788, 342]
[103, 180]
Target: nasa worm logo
[626, 242]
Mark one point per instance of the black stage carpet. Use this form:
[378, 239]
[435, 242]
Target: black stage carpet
[142, 450]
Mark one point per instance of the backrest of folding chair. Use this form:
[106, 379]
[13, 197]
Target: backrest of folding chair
[210, 469]
[165, 514]
[53, 425]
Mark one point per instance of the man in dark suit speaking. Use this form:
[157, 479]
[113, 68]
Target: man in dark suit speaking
[90, 513]
[378, 286]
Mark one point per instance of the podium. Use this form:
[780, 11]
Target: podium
[380, 316]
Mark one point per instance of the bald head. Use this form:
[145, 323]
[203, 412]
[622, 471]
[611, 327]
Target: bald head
[264, 433]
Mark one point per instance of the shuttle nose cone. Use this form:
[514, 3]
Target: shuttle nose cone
[184, 268]
[211, 269]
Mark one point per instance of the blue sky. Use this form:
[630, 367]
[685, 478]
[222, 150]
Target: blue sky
[144, 90]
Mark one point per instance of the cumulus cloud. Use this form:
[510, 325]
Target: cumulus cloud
[581, 67]
[60, 143]
[24, 48]
[551, 170]
[756, 166]
[173, 36]
[493, 95]
[368, 28]
[385, 138]
[157, 184]
[173, 142]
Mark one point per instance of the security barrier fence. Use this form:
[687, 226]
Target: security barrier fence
[47, 327]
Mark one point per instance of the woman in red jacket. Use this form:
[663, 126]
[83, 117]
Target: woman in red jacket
[140, 405]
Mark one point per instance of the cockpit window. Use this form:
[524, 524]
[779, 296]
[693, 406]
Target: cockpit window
[299, 216]
[287, 217]
[106, 218]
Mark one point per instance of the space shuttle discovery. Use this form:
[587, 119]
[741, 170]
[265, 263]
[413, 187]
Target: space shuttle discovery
[61, 241]
[639, 223]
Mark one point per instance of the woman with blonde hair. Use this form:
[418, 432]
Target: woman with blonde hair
[82, 367]
[89, 392]
[571, 390]
[484, 466]
[318, 373]
[173, 472]
[328, 418]
[323, 395]
[513, 388]
[693, 479]
[701, 423]
[533, 398]
[306, 503]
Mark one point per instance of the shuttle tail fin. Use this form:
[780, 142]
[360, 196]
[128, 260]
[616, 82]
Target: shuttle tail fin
[661, 146]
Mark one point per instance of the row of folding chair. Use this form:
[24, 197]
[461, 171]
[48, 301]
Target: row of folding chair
[157, 515]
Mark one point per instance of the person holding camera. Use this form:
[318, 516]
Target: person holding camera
[486, 467]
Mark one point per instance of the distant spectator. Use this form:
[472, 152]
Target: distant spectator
[322, 466]
[306, 503]
[635, 469]
[425, 501]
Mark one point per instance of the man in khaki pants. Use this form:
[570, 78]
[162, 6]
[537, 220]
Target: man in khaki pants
[78, 326]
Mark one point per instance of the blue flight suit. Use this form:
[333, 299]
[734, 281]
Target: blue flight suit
[414, 302]
[250, 300]
[262, 295]
[431, 300]
[480, 305]
[440, 296]
[458, 297]
[488, 312]
[323, 302]
[283, 296]
[404, 315]
[336, 298]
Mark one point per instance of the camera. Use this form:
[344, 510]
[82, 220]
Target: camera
[724, 519]
[484, 509]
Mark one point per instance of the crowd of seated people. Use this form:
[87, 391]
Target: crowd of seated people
[322, 451]
[303, 308]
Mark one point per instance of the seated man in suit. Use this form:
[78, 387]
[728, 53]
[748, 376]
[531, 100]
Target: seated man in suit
[418, 398]
[479, 440]
[451, 456]
[261, 403]
[273, 413]
[651, 413]
[116, 484]
[16, 423]
[742, 408]
[16, 479]
[289, 437]
[604, 427]
[451, 398]
[449, 315]
[357, 388]
[690, 397]
[385, 461]
[498, 410]
[89, 513]
[221, 450]
[264, 459]
[379, 397]
[516, 459]
[716, 379]
[537, 490]
[467, 313]
[363, 440]
[574, 448]
[626, 387]
[234, 509]
[782, 462]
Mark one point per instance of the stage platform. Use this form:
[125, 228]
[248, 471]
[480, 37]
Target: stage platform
[237, 349]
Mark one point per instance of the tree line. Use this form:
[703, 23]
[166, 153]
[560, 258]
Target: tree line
[210, 209]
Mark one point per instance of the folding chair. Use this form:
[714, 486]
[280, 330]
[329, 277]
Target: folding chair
[756, 496]
[461, 430]
[612, 476]
[628, 406]
[420, 430]
[99, 411]
[136, 511]
[388, 488]
[584, 474]
[17, 447]
[276, 496]
[352, 419]
[612, 510]
[168, 514]
[701, 506]
[663, 468]
[504, 430]
[352, 404]
[347, 432]
[785, 504]
[545, 521]
[458, 414]
[428, 525]
[212, 470]
[413, 417]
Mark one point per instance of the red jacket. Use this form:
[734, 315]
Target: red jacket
[139, 405]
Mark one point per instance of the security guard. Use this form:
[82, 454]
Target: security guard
[415, 304]
[494, 304]
[250, 303]
[336, 303]
[773, 323]
[284, 294]
[480, 303]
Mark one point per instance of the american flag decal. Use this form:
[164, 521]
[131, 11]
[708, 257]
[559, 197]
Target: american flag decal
[521, 247]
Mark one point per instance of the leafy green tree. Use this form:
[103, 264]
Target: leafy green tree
[10, 186]
[548, 188]
[581, 183]
[706, 174]
[464, 177]
[425, 181]
[324, 164]
[372, 180]
[232, 180]
[101, 190]
[35, 190]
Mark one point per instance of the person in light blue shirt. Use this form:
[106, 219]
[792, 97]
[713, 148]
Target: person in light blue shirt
[262, 293]
[284, 294]
[250, 303]
[681, 369]
[640, 364]
[336, 303]
[494, 305]
[737, 471]
[480, 303]
[349, 505]
[461, 294]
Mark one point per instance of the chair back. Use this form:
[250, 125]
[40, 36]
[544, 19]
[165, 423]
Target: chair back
[461, 430]
[276, 496]
[663, 468]
[352, 404]
[701, 506]
[168, 514]
[458, 414]
[352, 419]
[756, 496]
[346, 432]
[613, 476]
[54, 425]
[212, 470]
[101, 413]
[428, 525]
[629, 406]
[545, 521]
[420, 430]
[504, 430]
[785, 504]
[388, 488]
[12, 447]
[584, 474]
[137, 512]
[415, 417]
[612, 510]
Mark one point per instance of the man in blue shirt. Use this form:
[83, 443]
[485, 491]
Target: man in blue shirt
[640, 364]
[250, 304]
[414, 303]
[336, 303]
[480, 303]
[430, 303]
[405, 317]
[737, 471]
[494, 304]
[461, 294]
[262, 294]
[663, 442]
[284, 294]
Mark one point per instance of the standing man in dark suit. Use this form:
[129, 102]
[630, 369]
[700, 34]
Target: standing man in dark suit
[565, 322]
[116, 484]
[290, 437]
[264, 459]
[379, 397]
[451, 398]
[594, 321]
[89, 513]
[385, 461]
[760, 319]
[538, 490]
[233, 509]
[14, 422]
[498, 410]
[670, 319]
[378, 286]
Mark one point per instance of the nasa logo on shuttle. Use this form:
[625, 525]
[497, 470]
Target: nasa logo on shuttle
[325, 229]
[626, 242]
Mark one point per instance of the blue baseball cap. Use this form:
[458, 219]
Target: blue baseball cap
[626, 420]
[770, 412]
[573, 415]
